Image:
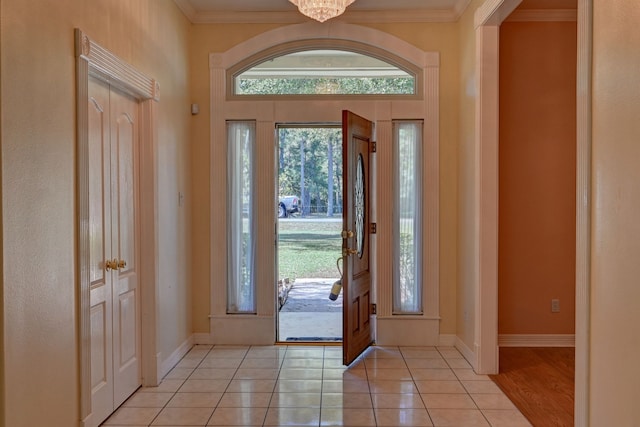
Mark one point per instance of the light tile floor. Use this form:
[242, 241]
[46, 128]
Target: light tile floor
[308, 386]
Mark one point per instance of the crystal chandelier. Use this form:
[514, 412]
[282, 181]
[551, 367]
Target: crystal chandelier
[321, 10]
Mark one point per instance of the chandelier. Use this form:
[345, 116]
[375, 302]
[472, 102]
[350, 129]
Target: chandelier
[321, 10]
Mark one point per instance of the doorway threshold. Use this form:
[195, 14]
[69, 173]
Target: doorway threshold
[313, 339]
[310, 326]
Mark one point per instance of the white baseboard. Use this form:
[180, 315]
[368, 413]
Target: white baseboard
[447, 340]
[167, 364]
[536, 340]
[467, 353]
[87, 422]
[202, 338]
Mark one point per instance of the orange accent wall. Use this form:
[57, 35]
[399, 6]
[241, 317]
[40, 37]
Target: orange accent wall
[537, 177]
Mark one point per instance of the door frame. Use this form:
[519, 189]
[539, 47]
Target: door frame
[260, 328]
[94, 61]
[488, 18]
[276, 186]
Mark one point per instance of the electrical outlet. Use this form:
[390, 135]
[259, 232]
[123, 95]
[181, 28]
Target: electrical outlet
[555, 306]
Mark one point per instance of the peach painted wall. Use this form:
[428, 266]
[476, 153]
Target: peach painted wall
[537, 170]
[38, 140]
[614, 371]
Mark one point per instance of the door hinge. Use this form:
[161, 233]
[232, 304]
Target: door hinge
[373, 147]
[373, 228]
[374, 309]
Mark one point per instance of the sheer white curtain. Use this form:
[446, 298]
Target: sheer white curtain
[407, 217]
[241, 295]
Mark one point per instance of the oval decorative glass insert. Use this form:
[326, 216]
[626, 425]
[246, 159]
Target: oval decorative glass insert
[359, 203]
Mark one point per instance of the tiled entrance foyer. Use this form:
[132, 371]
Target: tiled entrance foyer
[308, 386]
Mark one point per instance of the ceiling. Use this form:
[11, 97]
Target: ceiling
[283, 11]
[284, 5]
[361, 11]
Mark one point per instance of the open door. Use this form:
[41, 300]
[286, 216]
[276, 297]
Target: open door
[357, 134]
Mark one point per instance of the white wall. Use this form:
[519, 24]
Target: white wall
[40, 367]
[615, 279]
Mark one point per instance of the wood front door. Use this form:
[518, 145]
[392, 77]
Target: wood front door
[357, 134]
[113, 232]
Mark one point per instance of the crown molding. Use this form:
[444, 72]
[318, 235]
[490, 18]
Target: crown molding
[231, 17]
[187, 9]
[494, 12]
[543, 15]
[350, 16]
[400, 16]
[460, 7]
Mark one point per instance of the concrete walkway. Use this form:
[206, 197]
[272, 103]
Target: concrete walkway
[312, 295]
[309, 313]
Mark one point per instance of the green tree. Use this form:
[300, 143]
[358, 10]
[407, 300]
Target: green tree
[304, 166]
[327, 86]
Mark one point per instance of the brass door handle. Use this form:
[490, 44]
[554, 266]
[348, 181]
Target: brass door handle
[346, 252]
[346, 234]
[115, 264]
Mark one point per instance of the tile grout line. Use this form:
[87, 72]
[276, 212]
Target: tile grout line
[465, 388]
[178, 389]
[280, 360]
[416, 386]
[275, 384]
[324, 353]
[227, 387]
[366, 372]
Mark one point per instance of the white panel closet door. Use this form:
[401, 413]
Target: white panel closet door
[99, 251]
[113, 224]
[124, 235]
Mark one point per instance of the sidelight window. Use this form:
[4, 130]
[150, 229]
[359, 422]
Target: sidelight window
[407, 167]
[241, 224]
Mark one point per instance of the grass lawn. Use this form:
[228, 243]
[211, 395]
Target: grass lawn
[309, 248]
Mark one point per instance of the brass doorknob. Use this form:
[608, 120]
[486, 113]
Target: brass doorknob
[111, 265]
[121, 264]
[346, 252]
[346, 234]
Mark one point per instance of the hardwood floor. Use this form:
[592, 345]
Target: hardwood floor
[540, 382]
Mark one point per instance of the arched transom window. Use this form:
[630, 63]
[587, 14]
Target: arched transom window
[321, 70]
